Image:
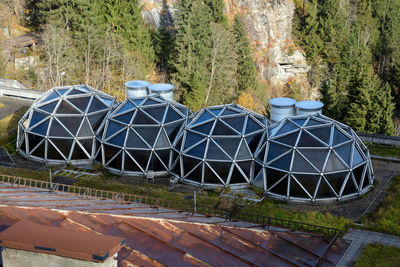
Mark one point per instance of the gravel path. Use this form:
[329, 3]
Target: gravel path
[360, 238]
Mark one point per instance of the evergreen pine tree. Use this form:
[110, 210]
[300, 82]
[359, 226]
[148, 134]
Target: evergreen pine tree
[218, 11]
[246, 70]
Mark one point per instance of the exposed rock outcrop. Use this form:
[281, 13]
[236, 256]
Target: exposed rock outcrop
[269, 26]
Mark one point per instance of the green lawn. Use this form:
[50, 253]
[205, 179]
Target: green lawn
[384, 151]
[8, 129]
[378, 255]
[387, 217]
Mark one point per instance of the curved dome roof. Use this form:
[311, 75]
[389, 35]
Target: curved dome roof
[137, 136]
[60, 125]
[217, 146]
[313, 158]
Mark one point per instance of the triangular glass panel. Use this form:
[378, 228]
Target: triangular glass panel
[296, 190]
[350, 188]
[116, 163]
[108, 102]
[344, 152]
[221, 168]
[338, 137]
[76, 92]
[215, 111]
[87, 144]
[204, 117]
[246, 167]
[125, 118]
[172, 130]
[41, 128]
[357, 158]
[113, 128]
[243, 152]
[172, 115]
[205, 128]
[71, 123]
[143, 118]
[33, 141]
[64, 145]
[130, 165]
[141, 157]
[198, 150]
[149, 102]
[191, 139]
[289, 139]
[288, 126]
[49, 107]
[39, 151]
[53, 95]
[196, 174]
[189, 164]
[237, 177]
[36, 117]
[299, 122]
[253, 141]
[334, 164]
[236, 123]
[336, 180]
[149, 134]
[358, 174]
[283, 163]
[301, 165]
[365, 182]
[252, 126]
[162, 140]
[62, 91]
[137, 101]
[57, 129]
[313, 122]
[163, 155]
[273, 177]
[281, 187]
[229, 145]
[214, 152]
[23, 145]
[119, 139]
[127, 106]
[156, 112]
[309, 182]
[52, 152]
[80, 102]
[324, 191]
[259, 180]
[156, 164]
[134, 141]
[86, 129]
[96, 120]
[110, 152]
[96, 105]
[222, 129]
[324, 133]
[209, 176]
[275, 150]
[66, 108]
[228, 112]
[306, 140]
[316, 156]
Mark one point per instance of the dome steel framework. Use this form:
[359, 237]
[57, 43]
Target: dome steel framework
[313, 158]
[216, 148]
[137, 137]
[60, 125]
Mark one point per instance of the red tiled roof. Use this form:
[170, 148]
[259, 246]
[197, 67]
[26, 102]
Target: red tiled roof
[77, 244]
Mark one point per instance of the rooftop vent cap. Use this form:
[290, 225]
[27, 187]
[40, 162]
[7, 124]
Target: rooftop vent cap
[309, 107]
[137, 88]
[165, 90]
[281, 108]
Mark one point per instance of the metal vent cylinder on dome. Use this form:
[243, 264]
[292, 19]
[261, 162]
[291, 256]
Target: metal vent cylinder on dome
[137, 88]
[165, 90]
[309, 107]
[281, 108]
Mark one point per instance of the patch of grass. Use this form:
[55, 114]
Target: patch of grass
[387, 217]
[1, 105]
[9, 125]
[25, 173]
[379, 256]
[384, 151]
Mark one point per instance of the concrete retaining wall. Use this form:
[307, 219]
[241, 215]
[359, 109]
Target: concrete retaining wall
[380, 139]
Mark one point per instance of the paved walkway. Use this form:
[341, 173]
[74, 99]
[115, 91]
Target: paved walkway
[359, 239]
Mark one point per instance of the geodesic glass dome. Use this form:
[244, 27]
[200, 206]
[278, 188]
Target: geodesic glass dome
[136, 138]
[217, 146]
[60, 125]
[313, 158]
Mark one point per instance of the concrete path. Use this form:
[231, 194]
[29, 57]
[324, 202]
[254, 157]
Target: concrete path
[360, 238]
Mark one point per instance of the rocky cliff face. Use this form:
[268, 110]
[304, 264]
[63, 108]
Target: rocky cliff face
[269, 26]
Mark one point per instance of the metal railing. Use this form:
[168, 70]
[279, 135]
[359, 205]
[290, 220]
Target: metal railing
[227, 214]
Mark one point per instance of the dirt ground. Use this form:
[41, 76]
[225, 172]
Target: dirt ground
[355, 209]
